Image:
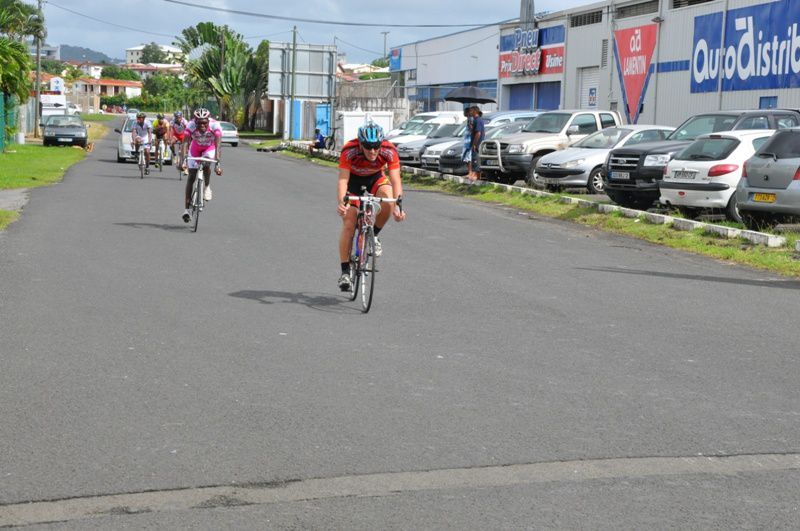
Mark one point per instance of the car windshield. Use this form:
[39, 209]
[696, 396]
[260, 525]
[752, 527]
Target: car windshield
[445, 131]
[227, 126]
[505, 130]
[128, 127]
[708, 149]
[703, 125]
[549, 122]
[461, 130]
[604, 139]
[64, 121]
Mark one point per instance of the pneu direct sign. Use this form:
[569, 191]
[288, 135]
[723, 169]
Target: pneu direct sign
[532, 52]
[761, 48]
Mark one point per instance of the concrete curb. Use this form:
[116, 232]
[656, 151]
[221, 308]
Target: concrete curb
[760, 238]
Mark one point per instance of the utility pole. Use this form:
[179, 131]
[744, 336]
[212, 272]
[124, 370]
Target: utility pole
[36, 116]
[222, 67]
[385, 33]
[291, 95]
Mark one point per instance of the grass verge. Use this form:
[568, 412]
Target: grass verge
[29, 166]
[99, 117]
[784, 261]
[310, 158]
[270, 142]
[7, 217]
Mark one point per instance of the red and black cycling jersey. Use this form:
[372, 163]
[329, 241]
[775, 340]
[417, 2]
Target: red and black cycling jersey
[353, 159]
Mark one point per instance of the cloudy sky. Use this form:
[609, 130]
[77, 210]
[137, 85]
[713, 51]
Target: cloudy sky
[157, 20]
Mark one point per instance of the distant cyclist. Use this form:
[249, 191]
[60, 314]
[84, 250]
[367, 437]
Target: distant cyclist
[361, 164]
[205, 135]
[160, 130]
[177, 132]
[142, 135]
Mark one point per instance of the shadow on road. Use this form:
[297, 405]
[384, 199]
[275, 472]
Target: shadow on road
[135, 225]
[781, 284]
[152, 176]
[310, 300]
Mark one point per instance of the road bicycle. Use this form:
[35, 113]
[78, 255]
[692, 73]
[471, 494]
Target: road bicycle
[159, 154]
[362, 253]
[177, 158]
[198, 202]
[140, 159]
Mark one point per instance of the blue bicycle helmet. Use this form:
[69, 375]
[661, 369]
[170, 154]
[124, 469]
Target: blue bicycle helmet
[370, 133]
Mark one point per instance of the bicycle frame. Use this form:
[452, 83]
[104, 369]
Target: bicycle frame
[362, 251]
[197, 201]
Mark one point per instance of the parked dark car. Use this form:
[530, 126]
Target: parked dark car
[633, 173]
[448, 156]
[769, 190]
[64, 130]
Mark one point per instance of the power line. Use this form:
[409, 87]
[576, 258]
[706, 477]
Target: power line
[266, 36]
[110, 23]
[377, 54]
[328, 22]
[459, 48]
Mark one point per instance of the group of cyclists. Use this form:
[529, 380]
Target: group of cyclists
[199, 137]
[361, 164]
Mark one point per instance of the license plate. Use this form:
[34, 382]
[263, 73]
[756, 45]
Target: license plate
[550, 180]
[622, 175]
[65, 140]
[678, 174]
[764, 198]
[492, 162]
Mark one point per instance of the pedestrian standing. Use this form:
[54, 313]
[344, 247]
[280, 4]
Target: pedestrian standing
[466, 150]
[476, 137]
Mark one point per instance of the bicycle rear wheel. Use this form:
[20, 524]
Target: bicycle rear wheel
[197, 205]
[159, 158]
[367, 271]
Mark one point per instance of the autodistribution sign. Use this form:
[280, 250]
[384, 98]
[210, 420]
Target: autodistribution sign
[761, 48]
[633, 50]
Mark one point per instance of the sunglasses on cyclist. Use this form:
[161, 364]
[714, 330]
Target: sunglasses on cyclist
[371, 145]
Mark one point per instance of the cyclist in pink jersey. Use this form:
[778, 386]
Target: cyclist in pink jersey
[205, 135]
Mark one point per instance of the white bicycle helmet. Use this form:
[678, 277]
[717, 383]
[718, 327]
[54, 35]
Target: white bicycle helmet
[202, 113]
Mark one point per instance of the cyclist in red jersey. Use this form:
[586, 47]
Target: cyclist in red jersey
[361, 164]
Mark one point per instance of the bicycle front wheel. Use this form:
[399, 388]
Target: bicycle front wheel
[355, 263]
[368, 271]
[141, 164]
[197, 203]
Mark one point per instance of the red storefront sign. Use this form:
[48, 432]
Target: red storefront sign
[538, 62]
[634, 48]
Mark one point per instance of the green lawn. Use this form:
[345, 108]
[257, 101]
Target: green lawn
[29, 166]
[7, 217]
[99, 117]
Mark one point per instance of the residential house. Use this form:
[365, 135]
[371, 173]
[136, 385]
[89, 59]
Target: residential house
[108, 87]
[134, 54]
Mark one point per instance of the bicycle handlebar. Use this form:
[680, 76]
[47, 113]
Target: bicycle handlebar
[202, 159]
[369, 198]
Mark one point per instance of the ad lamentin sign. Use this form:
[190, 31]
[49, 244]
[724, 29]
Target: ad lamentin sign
[761, 48]
[633, 50]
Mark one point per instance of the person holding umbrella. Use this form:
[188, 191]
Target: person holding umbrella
[477, 131]
[472, 94]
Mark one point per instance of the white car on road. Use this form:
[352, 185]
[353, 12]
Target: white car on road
[705, 174]
[126, 139]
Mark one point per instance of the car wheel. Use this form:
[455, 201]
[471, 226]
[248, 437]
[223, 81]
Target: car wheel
[628, 200]
[595, 184]
[234, 144]
[120, 160]
[732, 210]
[530, 177]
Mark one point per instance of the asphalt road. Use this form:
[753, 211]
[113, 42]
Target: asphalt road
[512, 373]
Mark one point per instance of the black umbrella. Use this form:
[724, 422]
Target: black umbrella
[469, 95]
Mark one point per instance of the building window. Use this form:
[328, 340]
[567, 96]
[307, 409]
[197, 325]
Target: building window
[767, 102]
[686, 3]
[637, 9]
[584, 19]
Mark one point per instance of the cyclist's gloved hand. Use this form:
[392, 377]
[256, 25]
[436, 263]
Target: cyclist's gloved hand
[218, 169]
[344, 204]
[398, 213]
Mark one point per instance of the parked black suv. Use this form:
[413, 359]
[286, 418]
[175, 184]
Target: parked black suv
[632, 173]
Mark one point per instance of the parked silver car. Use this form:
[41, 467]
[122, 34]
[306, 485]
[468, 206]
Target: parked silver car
[769, 190]
[581, 165]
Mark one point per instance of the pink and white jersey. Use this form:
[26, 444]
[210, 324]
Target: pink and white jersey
[205, 139]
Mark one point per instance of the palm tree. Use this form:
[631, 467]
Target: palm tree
[255, 83]
[216, 57]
